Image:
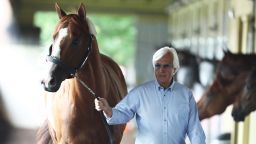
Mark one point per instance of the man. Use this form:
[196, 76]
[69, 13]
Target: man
[165, 110]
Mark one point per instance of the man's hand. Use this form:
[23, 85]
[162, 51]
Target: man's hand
[102, 104]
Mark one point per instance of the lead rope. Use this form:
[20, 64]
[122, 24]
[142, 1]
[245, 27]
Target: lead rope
[101, 113]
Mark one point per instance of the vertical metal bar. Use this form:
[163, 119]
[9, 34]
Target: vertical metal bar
[234, 135]
[253, 25]
[246, 130]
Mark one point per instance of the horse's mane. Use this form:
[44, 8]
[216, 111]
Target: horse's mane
[91, 27]
[231, 59]
[228, 54]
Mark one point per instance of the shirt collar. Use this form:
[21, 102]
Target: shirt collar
[161, 88]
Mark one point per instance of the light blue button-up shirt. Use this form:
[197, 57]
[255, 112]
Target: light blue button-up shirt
[163, 116]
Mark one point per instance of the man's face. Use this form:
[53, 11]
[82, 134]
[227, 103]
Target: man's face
[164, 70]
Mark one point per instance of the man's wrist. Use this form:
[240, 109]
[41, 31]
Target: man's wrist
[108, 113]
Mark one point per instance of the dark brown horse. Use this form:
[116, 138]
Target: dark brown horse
[228, 85]
[189, 70]
[247, 102]
[191, 66]
[77, 72]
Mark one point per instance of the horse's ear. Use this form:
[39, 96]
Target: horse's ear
[60, 12]
[81, 11]
[227, 52]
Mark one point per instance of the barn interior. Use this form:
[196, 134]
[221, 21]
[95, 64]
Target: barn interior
[129, 31]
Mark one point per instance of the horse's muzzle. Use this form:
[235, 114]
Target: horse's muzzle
[51, 86]
[238, 115]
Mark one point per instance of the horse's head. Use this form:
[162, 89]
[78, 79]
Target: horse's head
[247, 102]
[188, 72]
[227, 86]
[187, 58]
[72, 44]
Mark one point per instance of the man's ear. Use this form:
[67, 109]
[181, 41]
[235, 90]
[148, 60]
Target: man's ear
[175, 71]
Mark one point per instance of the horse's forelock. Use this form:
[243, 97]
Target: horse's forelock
[75, 20]
[62, 23]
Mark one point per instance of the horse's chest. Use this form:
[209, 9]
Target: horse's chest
[66, 123]
[59, 110]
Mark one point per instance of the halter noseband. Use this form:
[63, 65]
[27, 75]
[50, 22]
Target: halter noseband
[71, 71]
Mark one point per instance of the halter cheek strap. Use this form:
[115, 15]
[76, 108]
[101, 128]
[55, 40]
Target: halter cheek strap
[89, 49]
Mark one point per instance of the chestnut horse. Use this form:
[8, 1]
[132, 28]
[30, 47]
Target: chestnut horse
[247, 102]
[228, 85]
[77, 73]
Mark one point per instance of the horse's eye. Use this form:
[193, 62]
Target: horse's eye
[75, 42]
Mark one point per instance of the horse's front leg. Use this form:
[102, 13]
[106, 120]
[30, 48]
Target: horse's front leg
[43, 134]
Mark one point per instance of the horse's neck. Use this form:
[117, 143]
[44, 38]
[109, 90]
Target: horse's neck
[235, 90]
[92, 72]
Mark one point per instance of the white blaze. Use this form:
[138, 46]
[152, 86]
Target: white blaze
[55, 52]
[56, 45]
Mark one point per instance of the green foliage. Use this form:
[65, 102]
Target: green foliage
[47, 22]
[116, 37]
[115, 34]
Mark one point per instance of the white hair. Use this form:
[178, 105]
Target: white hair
[162, 51]
[91, 27]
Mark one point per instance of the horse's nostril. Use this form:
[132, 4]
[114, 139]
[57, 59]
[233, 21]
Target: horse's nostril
[42, 82]
[52, 82]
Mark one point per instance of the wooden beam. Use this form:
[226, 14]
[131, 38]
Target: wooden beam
[149, 7]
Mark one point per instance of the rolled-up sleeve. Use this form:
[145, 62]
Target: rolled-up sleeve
[124, 110]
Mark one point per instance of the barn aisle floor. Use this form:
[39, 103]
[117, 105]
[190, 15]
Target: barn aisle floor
[21, 136]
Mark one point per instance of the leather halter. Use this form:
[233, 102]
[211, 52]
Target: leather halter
[71, 71]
